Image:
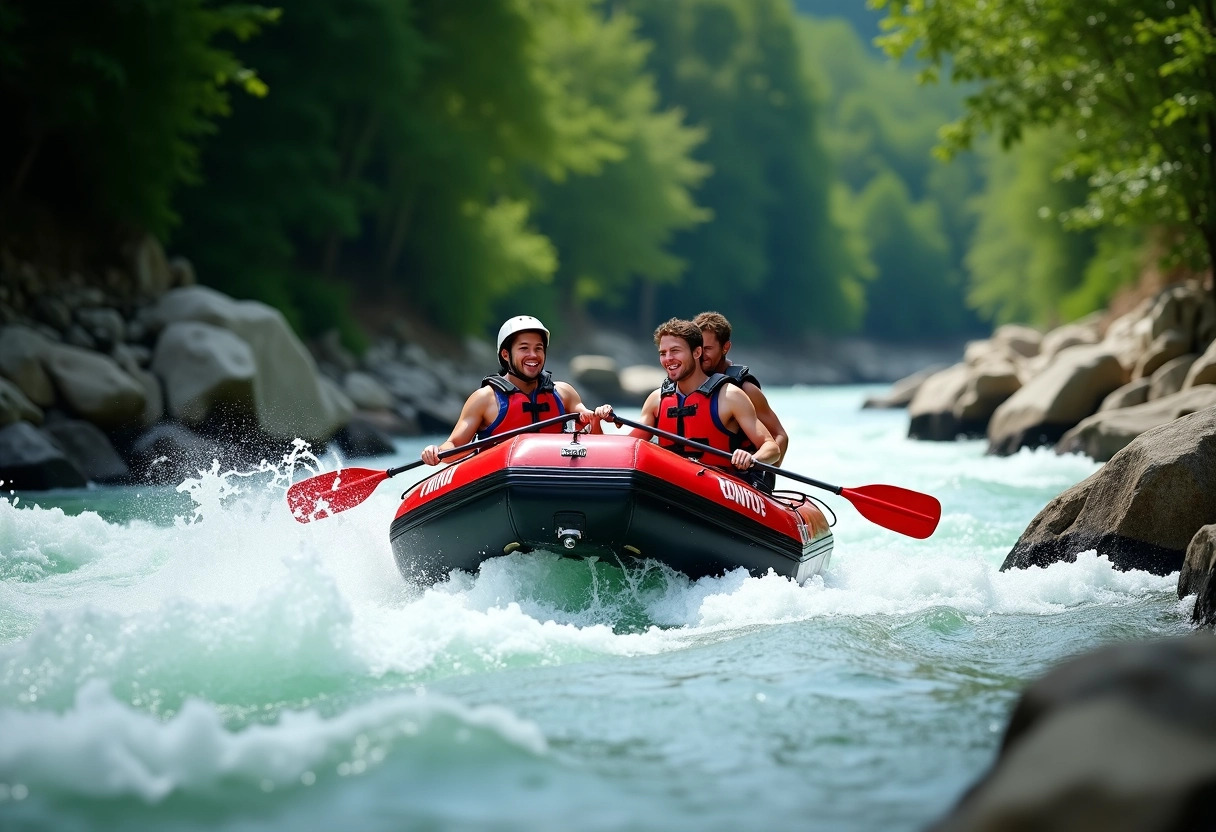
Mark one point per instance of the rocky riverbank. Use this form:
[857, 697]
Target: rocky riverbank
[141, 375]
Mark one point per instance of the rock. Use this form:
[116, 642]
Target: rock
[105, 326]
[94, 387]
[1141, 509]
[362, 438]
[53, 312]
[638, 381]
[150, 267]
[1121, 739]
[1129, 395]
[1197, 576]
[89, 450]
[21, 353]
[1107, 432]
[595, 377]
[931, 411]
[366, 393]
[181, 272]
[1165, 347]
[1203, 371]
[1018, 340]
[901, 393]
[292, 399]
[1067, 391]
[207, 371]
[1168, 378]
[168, 453]
[988, 386]
[31, 461]
[15, 407]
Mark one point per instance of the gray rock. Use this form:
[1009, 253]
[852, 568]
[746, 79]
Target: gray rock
[1067, 391]
[168, 453]
[366, 392]
[21, 353]
[1168, 378]
[1141, 509]
[105, 326]
[1122, 739]
[31, 461]
[89, 449]
[903, 391]
[1107, 432]
[931, 411]
[362, 438]
[94, 387]
[206, 371]
[1197, 578]
[15, 407]
[292, 398]
[1129, 395]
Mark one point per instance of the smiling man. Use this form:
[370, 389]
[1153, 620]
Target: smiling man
[710, 409]
[522, 392]
[715, 347]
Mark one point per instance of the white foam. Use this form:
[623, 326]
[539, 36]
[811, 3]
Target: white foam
[103, 748]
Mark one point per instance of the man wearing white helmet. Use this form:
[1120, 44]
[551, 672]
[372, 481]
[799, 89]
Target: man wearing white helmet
[522, 392]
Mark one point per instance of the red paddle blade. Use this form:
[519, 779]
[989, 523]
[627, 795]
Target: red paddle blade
[899, 509]
[331, 492]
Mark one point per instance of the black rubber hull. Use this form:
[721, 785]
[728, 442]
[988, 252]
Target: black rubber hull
[606, 513]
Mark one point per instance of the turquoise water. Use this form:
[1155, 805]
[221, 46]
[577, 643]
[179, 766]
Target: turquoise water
[193, 658]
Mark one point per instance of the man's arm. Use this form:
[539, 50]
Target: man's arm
[739, 408]
[473, 416]
[650, 415]
[768, 418]
[573, 403]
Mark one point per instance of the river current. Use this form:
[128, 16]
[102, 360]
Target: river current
[193, 658]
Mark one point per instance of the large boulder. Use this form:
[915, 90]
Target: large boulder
[1141, 509]
[31, 461]
[15, 407]
[1121, 739]
[1129, 395]
[901, 392]
[1107, 432]
[1203, 371]
[1168, 378]
[21, 353]
[95, 388]
[1067, 391]
[207, 371]
[1197, 578]
[291, 397]
[931, 412]
[89, 450]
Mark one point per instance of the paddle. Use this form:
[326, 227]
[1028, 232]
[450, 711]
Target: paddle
[899, 509]
[347, 487]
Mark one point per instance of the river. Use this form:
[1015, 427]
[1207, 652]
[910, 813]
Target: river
[193, 658]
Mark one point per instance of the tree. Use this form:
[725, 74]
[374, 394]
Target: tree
[105, 103]
[1133, 81]
[612, 214]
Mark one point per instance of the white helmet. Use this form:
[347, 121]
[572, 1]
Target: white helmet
[513, 326]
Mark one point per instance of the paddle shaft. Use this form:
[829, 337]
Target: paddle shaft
[853, 495]
[481, 443]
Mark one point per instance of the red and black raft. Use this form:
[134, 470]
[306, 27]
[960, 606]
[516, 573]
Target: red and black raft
[608, 496]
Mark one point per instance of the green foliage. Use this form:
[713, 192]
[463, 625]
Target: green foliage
[612, 216]
[881, 127]
[107, 100]
[772, 253]
[1130, 80]
[1024, 261]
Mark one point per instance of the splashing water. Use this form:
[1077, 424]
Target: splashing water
[194, 657]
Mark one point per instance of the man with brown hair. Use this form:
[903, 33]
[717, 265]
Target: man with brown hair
[708, 409]
[715, 335]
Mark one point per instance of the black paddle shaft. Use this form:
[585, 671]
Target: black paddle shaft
[692, 443]
[488, 441]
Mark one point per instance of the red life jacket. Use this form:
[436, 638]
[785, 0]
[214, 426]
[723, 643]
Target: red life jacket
[739, 373]
[517, 408]
[695, 417]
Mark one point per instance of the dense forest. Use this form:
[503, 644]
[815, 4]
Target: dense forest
[620, 160]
